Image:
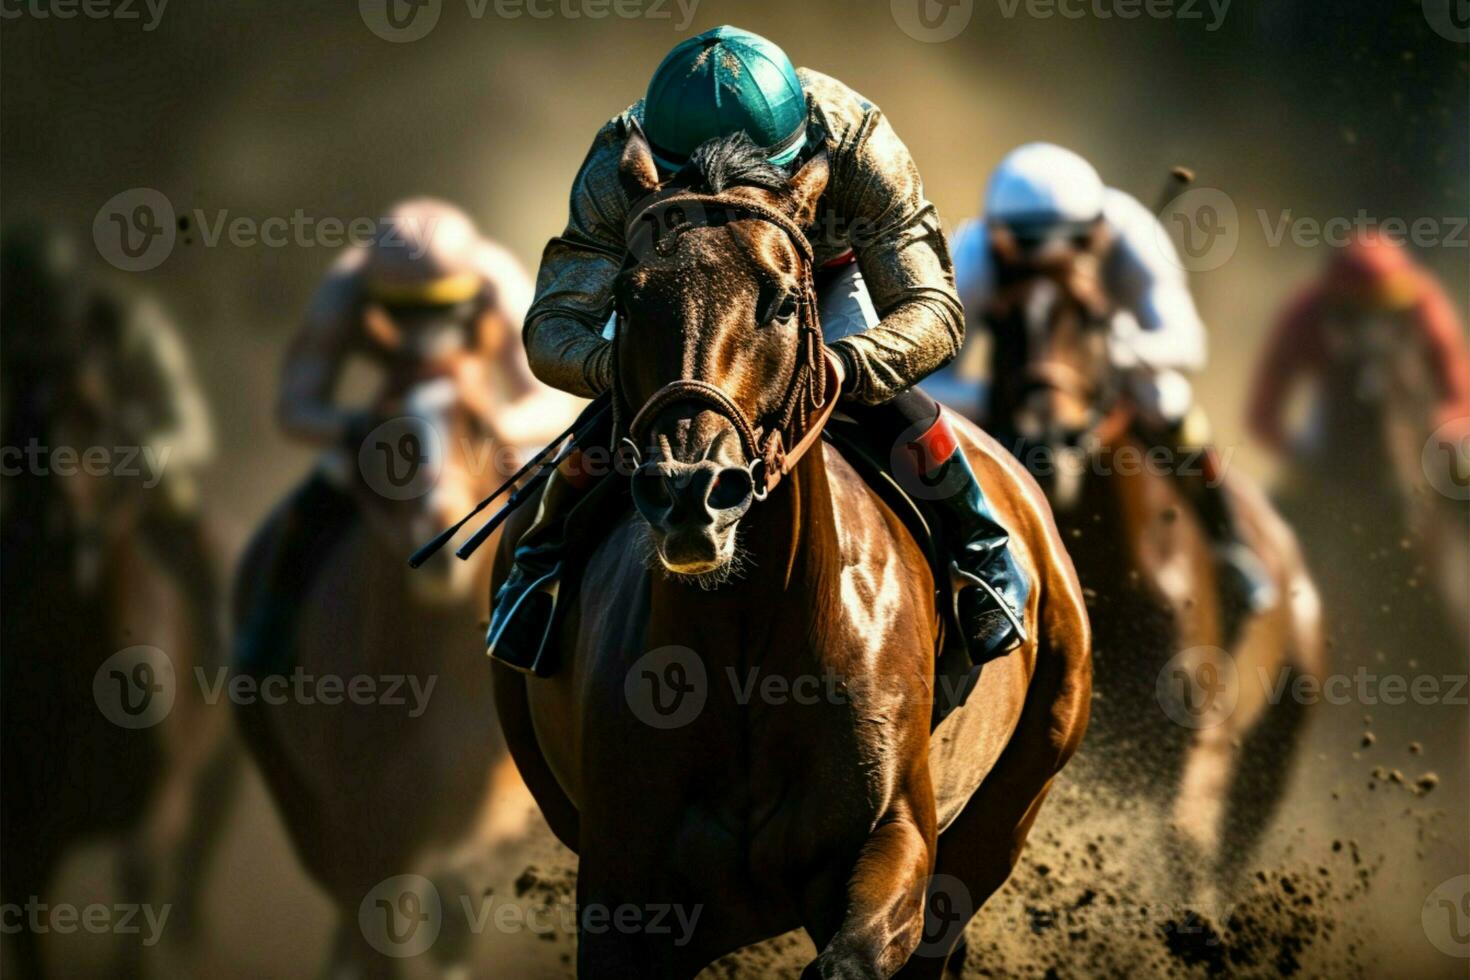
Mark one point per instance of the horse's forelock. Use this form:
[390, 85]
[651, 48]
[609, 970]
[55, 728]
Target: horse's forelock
[732, 161]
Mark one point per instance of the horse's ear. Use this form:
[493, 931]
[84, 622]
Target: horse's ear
[807, 187]
[637, 170]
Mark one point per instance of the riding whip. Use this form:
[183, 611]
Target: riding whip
[430, 549]
[1179, 178]
[516, 499]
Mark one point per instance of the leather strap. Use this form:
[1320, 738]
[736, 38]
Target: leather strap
[814, 426]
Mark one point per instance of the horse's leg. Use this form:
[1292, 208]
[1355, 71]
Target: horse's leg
[869, 920]
[980, 849]
[352, 958]
[1256, 790]
[25, 947]
[513, 711]
[26, 873]
[211, 797]
[608, 947]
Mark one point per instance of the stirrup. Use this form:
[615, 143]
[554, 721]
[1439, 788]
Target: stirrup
[543, 592]
[1000, 601]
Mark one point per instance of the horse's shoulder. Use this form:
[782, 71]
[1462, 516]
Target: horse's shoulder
[861, 511]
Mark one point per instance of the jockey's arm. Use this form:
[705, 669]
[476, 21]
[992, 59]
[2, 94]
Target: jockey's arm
[896, 236]
[1290, 351]
[1155, 325]
[563, 330]
[1444, 335]
[307, 409]
[156, 367]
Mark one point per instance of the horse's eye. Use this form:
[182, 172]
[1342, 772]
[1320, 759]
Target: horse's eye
[783, 310]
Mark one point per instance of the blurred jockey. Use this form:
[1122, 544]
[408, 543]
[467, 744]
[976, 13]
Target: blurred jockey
[425, 292]
[86, 367]
[1048, 213]
[1372, 279]
[886, 300]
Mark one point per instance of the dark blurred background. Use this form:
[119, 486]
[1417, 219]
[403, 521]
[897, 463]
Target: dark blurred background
[267, 108]
[262, 109]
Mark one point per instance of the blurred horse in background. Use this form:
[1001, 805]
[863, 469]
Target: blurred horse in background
[1206, 733]
[106, 732]
[403, 792]
[1368, 487]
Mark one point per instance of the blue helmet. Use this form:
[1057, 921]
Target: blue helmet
[719, 83]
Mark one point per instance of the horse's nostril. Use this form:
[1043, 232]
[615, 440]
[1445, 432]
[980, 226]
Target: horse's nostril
[730, 488]
[651, 491]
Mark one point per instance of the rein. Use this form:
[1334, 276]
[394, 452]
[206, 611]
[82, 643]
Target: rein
[813, 386]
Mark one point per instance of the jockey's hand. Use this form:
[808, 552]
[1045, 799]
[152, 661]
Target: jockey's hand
[1082, 279]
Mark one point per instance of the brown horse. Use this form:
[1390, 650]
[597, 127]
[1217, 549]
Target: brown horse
[1357, 491]
[738, 740]
[1206, 733]
[87, 750]
[405, 779]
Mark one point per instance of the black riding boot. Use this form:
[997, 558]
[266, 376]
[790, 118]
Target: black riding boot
[524, 605]
[990, 588]
[1246, 585]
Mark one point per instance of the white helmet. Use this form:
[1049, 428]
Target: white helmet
[1042, 184]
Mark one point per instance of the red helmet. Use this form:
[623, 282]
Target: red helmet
[1374, 270]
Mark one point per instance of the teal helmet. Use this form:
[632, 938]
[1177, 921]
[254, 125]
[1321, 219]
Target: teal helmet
[717, 84]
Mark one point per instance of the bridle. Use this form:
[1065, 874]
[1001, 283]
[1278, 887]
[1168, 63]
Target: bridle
[811, 394]
[1109, 411]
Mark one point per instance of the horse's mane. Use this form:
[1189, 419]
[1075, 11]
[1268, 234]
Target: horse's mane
[731, 161]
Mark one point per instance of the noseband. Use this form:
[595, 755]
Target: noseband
[813, 385]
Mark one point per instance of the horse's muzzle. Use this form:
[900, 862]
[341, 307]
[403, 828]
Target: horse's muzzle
[693, 509]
